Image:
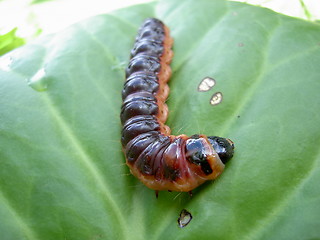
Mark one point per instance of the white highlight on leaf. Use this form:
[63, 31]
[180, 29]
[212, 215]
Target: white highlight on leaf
[184, 219]
[216, 98]
[5, 63]
[39, 80]
[206, 84]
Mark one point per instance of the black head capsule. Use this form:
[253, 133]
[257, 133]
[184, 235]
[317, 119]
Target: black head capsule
[196, 153]
[224, 147]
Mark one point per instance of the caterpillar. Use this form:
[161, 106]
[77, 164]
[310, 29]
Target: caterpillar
[160, 160]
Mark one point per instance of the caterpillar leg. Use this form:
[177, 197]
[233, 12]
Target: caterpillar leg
[157, 193]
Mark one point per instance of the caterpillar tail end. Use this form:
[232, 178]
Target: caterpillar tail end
[224, 147]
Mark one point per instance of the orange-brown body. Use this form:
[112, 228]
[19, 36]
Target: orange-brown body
[160, 160]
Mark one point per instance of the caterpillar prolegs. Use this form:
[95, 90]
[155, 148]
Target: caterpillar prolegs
[160, 160]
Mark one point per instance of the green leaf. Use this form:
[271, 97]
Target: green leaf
[63, 174]
[10, 41]
[39, 1]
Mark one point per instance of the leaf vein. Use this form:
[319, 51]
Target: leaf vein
[262, 225]
[87, 162]
[29, 233]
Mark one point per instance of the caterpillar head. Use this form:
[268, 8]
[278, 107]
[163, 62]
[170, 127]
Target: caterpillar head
[203, 152]
[224, 147]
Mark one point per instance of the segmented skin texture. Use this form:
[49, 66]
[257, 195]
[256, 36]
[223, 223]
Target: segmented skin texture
[160, 160]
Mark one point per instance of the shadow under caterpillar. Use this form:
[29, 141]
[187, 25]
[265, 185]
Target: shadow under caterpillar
[162, 161]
